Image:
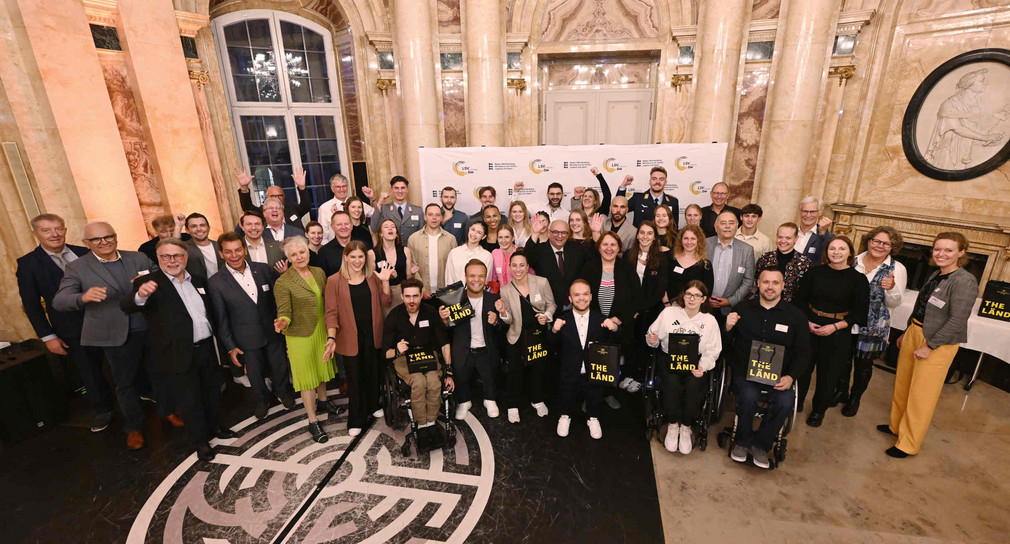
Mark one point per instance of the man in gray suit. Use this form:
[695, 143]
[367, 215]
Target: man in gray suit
[204, 258]
[732, 265]
[244, 313]
[259, 249]
[95, 283]
[408, 217]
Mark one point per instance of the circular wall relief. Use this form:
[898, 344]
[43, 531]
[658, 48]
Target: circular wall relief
[957, 124]
[264, 481]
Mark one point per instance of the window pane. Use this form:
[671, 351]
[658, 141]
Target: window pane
[266, 146]
[386, 60]
[274, 128]
[258, 153]
[241, 61]
[245, 89]
[300, 91]
[313, 41]
[317, 64]
[291, 35]
[306, 127]
[252, 128]
[295, 61]
[259, 33]
[319, 153]
[310, 150]
[235, 34]
[320, 90]
[325, 127]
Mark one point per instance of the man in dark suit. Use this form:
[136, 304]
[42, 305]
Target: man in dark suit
[572, 332]
[276, 229]
[258, 247]
[181, 339]
[293, 211]
[813, 235]
[204, 256]
[39, 274]
[244, 313]
[331, 255]
[558, 259]
[95, 283]
[642, 206]
[472, 349]
[719, 195]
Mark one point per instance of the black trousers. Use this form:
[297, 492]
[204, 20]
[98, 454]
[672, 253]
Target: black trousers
[362, 383]
[517, 371]
[829, 354]
[125, 361]
[271, 360]
[681, 395]
[747, 396]
[197, 393]
[573, 383]
[476, 361]
[88, 361]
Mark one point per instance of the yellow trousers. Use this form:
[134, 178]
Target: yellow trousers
[917, 386]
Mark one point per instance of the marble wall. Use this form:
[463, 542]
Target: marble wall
[448, 16]
[349, 93]
[747, 140]
[766, 9]
[454, 110]
[581, 20]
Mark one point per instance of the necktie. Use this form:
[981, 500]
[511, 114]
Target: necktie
[561, 262]
[657, 201]
[399, 210]
[60, 261]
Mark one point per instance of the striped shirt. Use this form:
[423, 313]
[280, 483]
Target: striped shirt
[606, 292]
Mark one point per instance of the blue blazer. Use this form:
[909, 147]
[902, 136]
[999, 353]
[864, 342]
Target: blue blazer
[39, 280]
[816, 245]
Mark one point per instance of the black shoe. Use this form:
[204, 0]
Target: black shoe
[839, 398]
[101, 421]
[423, 439]
[330, 408]
[204, 452]
[225, 434]
[260, 411]
[799, 408]
[886, 429]
[893, 451]
[850, 409]
[288, 400]
[317, 432]
[815, 419]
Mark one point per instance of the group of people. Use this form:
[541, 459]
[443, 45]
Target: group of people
[293, 305]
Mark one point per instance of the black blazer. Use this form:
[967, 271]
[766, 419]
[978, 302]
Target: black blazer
[196, 265]
[492, 333]
[169, 327]
[566, 341]
[39, 279]
[293, 209]
[653, 282]
[238, 321]
[708, 217]
[542, 259]
[627, 290]
[644, 206]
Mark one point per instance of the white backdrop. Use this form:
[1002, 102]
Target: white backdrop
[692, 170]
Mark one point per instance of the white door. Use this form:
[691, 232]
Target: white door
[594, 116]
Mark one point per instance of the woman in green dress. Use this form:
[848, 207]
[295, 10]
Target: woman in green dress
[300, 317]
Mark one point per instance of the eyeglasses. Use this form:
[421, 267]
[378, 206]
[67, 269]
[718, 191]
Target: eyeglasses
[168, 257]
[880, 243]
[809, 212]
[693, 296]
[559, 232]
[272, 209]
[107, 239]
[57, 230]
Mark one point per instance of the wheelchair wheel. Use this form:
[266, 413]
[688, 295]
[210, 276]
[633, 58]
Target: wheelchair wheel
[720, 391]
[703, 442]
[780, 451]
[450, 437]
[405, 449]
[389, 399]
[722, 439]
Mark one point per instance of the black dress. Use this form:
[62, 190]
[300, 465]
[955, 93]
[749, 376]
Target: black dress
[400, 267]
[362, 369]
[362, 234]
[680, 276]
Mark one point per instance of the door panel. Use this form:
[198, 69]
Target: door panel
[593, 116]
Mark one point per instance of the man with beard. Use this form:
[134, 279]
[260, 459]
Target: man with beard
[642, 206]
[619, 222]
[204, 255]
[454, 221]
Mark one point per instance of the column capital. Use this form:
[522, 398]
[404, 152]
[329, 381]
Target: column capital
[191, 23]
[101, 12]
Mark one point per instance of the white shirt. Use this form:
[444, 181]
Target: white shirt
[433, 260]
[245, 281]
[892, 297]
[209, 258]
[582, 326]
[195, 307]
[257, 254]
[803, 238]
[476, 324]
[326, 211]
[277, 234]
[759, 241]
[455, 264]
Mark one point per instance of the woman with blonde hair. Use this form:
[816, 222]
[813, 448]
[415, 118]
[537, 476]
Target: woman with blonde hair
[688, 262]
[692, 215]
[519, 220]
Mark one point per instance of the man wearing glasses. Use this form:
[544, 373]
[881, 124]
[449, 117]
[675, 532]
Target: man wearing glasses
[181, 337]
[814, 235]
[554, 256]
[39, 274]
[719, 195]
[277, 229]
[95, 283]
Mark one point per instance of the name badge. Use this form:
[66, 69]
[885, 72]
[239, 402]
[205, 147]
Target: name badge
[457, 225]
[498, 269]
[678, 269]
[937, 302]
[781, 328]
[536, 297]
[414, 218]
[741, 270]
[293, 217]
[201, 291]
[812, 250]
[422, 323]
[143, 272]
[266, 288]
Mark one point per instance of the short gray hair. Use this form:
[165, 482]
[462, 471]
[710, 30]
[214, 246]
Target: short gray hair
[270, 199]
[46, 217]
[339, 177]
[294, 241]
[811, 199]
[84, 229]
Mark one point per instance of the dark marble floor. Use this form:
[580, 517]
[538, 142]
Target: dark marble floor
[71, 485]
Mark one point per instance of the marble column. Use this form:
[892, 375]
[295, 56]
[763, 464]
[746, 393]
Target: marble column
[68, 105]
[415, 61]
[483, 35]
[805, 39]
[150, 35]
[721, 32]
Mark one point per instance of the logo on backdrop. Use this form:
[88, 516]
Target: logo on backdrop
[611, 165]
[461, 169]
[537, 166]
[697, 188]
[682, 163]
[648, 163]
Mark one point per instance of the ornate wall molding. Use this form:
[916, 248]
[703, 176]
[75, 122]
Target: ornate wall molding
[852, 22]
[843, 72]
[200, 77]
[685, 35]
[515, 42]
[101, 12]
[191, 23]
[384, 84]
[381, 41]
[517, 83]
[679, 80]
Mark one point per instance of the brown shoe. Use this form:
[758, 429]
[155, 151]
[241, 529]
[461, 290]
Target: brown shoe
[134, 440]
[174, 420]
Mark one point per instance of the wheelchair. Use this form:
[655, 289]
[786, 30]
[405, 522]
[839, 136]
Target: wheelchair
[710, 402]
[727, 437]
[396, 405]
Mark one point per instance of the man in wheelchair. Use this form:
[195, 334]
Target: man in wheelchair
[411, 328]
[771, 320]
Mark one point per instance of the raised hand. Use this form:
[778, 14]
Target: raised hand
[147, 289]
[94, 294]
[539, 224]
[594, 170]
[382, 199]
[384, 271]
[627, 180]
[180, 219]
[596, 223]
[244, 178]
[888, 282]
[281, 266]
[233, 355]
[579, 191]
[517, 186]
[299, 177]
[823, 223]
[558, 323]
[368, 192]
[731, 320]
[500, 306]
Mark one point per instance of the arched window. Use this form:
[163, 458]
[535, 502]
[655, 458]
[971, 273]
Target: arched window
[281, 79]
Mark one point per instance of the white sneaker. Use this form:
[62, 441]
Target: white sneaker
[242, 380]
[354, 431]
[634, 387]
[379, 413]
[595, 430]
[492, 408]
[685, 439]
[624, 383]
[672, 436]
[513, 415]
[541, 409]
[563, 423]
[612, 402]
[462, 409]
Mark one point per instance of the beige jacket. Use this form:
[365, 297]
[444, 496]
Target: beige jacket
[541, 298]
[418, 244]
